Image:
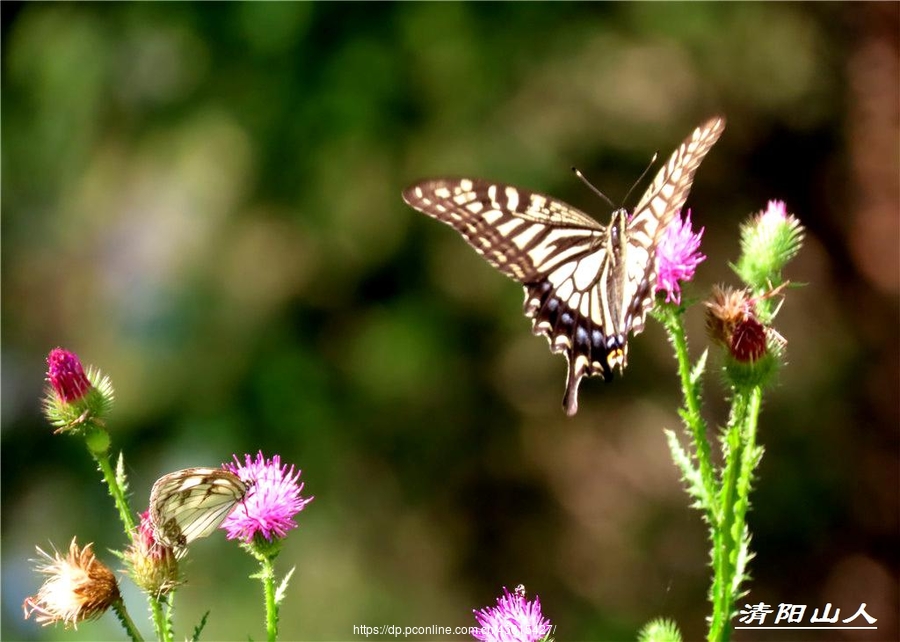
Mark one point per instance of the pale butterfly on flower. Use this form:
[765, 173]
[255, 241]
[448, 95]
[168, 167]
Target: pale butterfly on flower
[189, 504]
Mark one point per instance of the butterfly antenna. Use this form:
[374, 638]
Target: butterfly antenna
[592, 188]
[643, 174]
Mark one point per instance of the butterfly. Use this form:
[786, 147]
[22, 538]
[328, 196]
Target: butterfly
[586, 286]
[189, 504]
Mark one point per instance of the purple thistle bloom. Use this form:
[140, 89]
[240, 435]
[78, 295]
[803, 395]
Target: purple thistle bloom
[678, 255]
[514, 619]
[65, 374]
[271, 503]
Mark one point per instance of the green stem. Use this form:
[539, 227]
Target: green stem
[724, 544]
[159, 620]
[739, 444]
[127, 623]
[116, 492]
[750, 457]
[692, 417]
[267, 575]
[168, 633]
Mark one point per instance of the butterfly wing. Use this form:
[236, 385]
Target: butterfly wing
[189, 504]
[671, 185]
[658, 206]
[515, 230]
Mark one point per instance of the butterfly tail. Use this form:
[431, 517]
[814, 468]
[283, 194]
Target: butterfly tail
[573, 380]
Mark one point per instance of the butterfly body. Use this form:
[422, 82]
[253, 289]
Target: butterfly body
[189, 504]
[587, 286]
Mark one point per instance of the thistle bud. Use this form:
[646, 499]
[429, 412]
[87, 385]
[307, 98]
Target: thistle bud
[152, 566]
[768, 241]
[77, 401]
[755, 349]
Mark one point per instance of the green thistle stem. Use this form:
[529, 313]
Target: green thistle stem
[723, 542]
[672, 317]
[127, 623]
[115, 491]
[265, 553]
[159, 620]
[168, 630]
[267, 575]
[750, 458]
[741, 458]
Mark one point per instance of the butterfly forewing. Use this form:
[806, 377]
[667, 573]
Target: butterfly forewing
[516, 230]
[586, 286]
[671, 185]
[190, 504]
[656, 209]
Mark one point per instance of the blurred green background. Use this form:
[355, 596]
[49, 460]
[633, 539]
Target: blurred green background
[203, 200]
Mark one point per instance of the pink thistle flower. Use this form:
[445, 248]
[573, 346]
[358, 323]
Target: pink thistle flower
[66, 375]
[677, 257]
[273, 500]
[514, 619]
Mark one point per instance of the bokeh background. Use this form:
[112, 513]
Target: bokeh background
[203, 200]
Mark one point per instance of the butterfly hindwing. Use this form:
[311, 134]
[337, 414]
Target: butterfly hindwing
[189, 504]
[586, 286]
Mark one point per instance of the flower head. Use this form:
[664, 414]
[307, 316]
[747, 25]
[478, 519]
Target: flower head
[152, 566]
[734, 320]
[755, 349]
[78, 587]
[66, 376]
[77, 401]
[273, 500]
[677, 255]
[514, 619]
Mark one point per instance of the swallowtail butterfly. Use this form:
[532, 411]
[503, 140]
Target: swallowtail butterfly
[586, 286]
[189, 504]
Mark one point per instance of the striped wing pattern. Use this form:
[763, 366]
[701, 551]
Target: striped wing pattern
[189, 504]
[586, 286]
